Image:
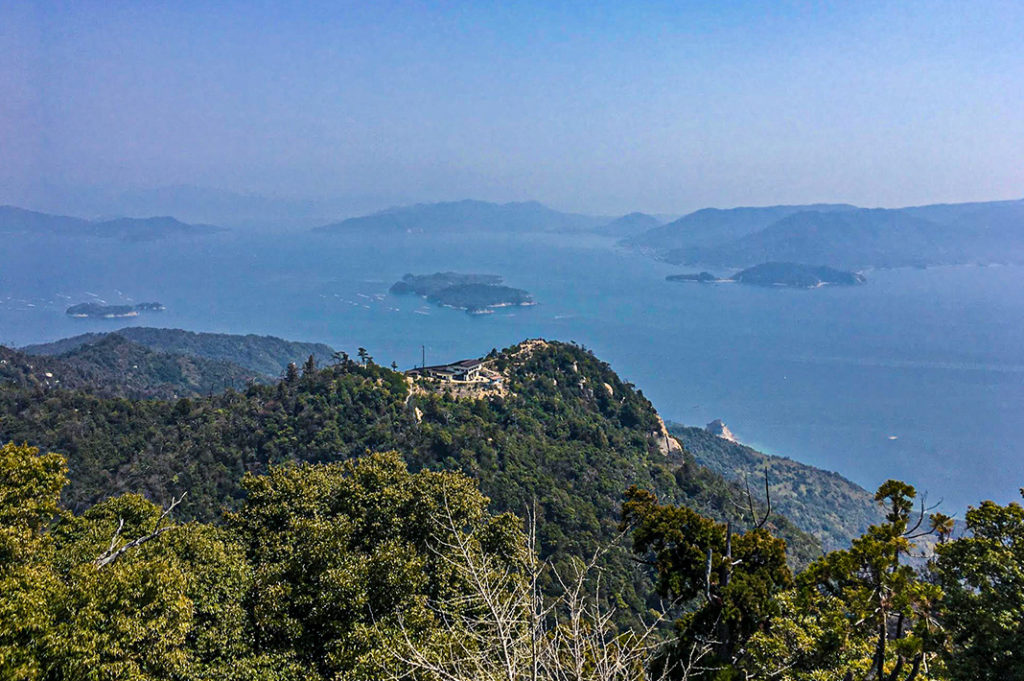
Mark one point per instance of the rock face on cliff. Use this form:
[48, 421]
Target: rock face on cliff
[718, 427]
[666, 443]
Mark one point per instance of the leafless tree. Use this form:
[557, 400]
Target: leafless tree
[504, 629]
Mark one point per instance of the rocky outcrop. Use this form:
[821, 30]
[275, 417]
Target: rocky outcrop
[666, 443]
[718, 427]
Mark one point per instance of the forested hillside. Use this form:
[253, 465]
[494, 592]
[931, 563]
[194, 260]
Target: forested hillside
[569, 435]
[113, 366]
[267, 355]
[824, 503]
[355, 524]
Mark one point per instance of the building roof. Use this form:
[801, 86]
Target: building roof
[461, 365]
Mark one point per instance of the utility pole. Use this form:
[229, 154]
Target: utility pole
[423, 360]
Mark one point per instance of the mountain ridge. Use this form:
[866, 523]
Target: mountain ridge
[465, 216]
[266, 355]
[14, 219]
[116, 367]
[840, 235]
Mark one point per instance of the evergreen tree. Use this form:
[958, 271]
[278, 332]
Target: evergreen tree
[309, 367]
[863, 612]
[291, 374]
[730, 578]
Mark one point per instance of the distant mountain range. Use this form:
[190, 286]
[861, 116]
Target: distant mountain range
[836, 235]
[710, 226]
[19, 220]
[466, 216]
[841, 235]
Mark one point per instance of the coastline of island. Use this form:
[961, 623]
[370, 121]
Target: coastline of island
[101, 311]
[779, 274]
[475, 294]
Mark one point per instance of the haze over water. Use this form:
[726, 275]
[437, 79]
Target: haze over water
[916, 375]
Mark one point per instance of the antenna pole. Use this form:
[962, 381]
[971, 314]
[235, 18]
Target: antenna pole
[423, 364]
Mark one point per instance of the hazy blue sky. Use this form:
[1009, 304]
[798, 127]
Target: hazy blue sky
[590, 106]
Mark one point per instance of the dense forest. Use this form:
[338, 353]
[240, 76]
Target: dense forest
[363, 569]
[346, 522]
[266, 355]
[569, 436]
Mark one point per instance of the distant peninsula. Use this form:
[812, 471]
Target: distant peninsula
[474, 293]
[785, 274]
[98, 311]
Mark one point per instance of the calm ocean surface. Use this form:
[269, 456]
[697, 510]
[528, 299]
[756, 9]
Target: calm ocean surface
[918, 375]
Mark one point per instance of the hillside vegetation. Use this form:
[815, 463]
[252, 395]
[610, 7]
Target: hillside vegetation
[824, 503]
[363, 569]
[267, 355]
[114, 366]
[570, 436]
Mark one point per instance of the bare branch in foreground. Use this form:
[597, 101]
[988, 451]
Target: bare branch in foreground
[114, 551]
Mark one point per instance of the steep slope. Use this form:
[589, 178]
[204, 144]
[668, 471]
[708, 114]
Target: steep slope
[13, 219]
[710, 226]
[826, 504]
[464, 216]
[113, 366]
[267, 355]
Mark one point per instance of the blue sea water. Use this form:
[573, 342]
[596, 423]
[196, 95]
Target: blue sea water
[917, 375]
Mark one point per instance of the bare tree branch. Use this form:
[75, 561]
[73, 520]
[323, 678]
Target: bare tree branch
[114, 552]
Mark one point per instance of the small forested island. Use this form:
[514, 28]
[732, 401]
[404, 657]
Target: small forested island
[701, 278]
[98, 311]
[474, 293]
[787, 274]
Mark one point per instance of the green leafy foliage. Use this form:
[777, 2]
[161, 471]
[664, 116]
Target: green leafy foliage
[982, 574]
[863, 612]
[340, 548]
[727, 580]
[305, 581]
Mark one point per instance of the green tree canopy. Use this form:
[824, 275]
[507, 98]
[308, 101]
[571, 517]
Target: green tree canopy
[982, 574]
[727, 579]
